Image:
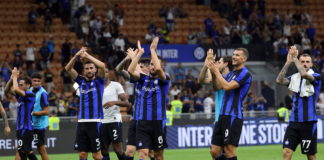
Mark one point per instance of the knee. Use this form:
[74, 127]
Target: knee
[130, 151]
[118, 148]
[214, 153]
[97, 156]
[143, 153]
[287, 152]
[83, 155]
[311, 157]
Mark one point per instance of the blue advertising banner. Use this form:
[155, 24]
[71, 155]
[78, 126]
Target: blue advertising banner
[189, 53]
[178, 52]
[255, 131]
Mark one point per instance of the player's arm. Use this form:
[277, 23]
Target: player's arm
[135, 56]
[218, 80]
[101, 66]
[302, 71]
[155, 60]
[15, 87]
[69, 67]
[44, 106]
[8, 89]
[119, 67]
[281, 78]
[5, 120]
[202, 75]
[122, 103]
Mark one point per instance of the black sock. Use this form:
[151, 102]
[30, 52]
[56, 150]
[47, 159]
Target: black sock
[233, 158]
[221, 157]
[105, 156]
[121, 157]
[129, 158]
[152, 158]
[22, 155]
[32, 156]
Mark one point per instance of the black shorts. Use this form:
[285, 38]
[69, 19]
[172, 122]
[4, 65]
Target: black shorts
[39, 137]
[303, 133]
[227, 131]
[131, 138]
[110, 133]
[151, 135]
[25, 140]
[87, 138]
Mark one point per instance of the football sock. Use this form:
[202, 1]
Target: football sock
[129, 158]
[32, 156]
[233, 158]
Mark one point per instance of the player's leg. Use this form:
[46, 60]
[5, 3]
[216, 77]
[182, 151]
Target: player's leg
[39, 138]
[151, 155]
[105, 141]
[232, 132]
[97, 155]
[287, 154]
[25, 141]
[230, 152]
[144, 138]
[130, 152]
[217, 142]
[308, 132]
[143, 154]
[291, 141]
[117, 139]
[118, 148]
[158, 154]
[82, 142]
[311, 157]
[131, 141]
[159, 139]
[216, 152]
[93, 132]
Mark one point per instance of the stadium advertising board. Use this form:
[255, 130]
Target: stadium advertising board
[255, 131]
[185, 133]
[186, 53]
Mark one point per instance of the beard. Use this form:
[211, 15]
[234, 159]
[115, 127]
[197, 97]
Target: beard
[90, 75]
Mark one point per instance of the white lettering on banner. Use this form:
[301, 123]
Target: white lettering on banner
[9, 144]
[262, 133]
[194, 136]
[170, 53]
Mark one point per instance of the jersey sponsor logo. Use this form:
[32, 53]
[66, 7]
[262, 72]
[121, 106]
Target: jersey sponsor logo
[87, 91]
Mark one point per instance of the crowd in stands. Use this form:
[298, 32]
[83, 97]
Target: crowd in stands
[247, 24]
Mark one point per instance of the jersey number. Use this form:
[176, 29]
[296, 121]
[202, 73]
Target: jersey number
[160, 139]
[306, 143]
[115, 133]
[98, 143]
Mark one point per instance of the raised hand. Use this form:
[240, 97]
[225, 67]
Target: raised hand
[154, 43]
[131, 53]
[210, 56]
[139, 47]
[15, 72]
[293, 51]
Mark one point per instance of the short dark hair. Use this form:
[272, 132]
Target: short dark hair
[36, 75]
[245, 51]
[145, 61]
[228, 60]
[27, 80]
[305, 55]
[89, 62]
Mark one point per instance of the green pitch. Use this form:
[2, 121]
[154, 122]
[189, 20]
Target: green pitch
[271, 152]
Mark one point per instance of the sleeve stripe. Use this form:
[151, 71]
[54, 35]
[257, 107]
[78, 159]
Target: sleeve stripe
[245, 78]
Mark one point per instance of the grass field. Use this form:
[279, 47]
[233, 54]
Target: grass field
[271, 152]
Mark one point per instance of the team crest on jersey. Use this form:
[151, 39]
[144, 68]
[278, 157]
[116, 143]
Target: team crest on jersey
[286, 142]
[91, 83]
[156, 81]
[234, 77]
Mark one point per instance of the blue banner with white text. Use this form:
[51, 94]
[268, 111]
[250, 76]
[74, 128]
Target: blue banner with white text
[255, 131]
